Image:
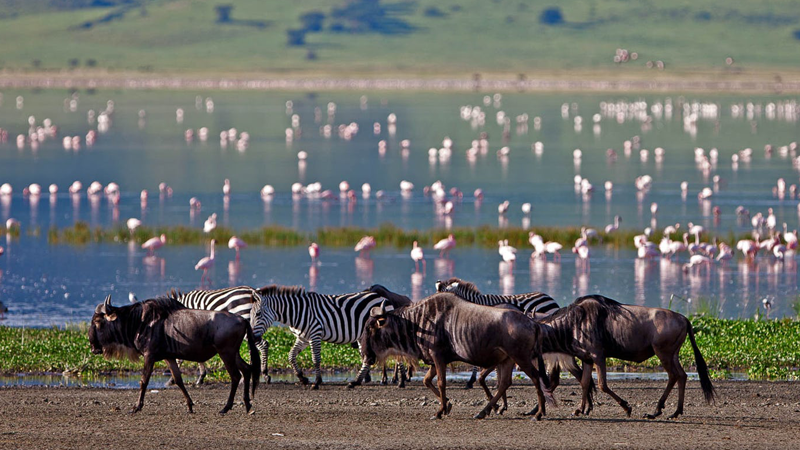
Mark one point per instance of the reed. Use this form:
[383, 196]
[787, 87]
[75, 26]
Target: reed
[386, 235]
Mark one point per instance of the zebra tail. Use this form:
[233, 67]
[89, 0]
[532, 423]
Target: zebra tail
[255, 358]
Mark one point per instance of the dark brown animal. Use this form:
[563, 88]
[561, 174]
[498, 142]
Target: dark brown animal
[594, 328]
[164, 329]
[443, 328]
[400, 374]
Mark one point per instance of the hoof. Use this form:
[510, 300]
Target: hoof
[134, 410]
[436, 417]
[314, 387]
[468, 386]
[531, 412]
[674, 416]
[577, 413]
[448, 407]
[353, 384]
[502, 410]
[628, 410]
[480, 415]
[269, 379]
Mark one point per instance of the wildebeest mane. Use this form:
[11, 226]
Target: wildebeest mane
[274, 289]
[160, 307]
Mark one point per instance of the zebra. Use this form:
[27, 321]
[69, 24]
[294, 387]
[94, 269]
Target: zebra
[536, 305]
[314, 318]
[237, 300]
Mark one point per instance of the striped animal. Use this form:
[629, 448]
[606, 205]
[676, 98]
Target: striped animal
[236, 300]
[314, 318]
[535, 304]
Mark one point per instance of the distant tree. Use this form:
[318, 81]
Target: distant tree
[312, 21]
[296, 38]
[311, 55]
[36, 63]
[91, 62]
[552, 16]
[797, 34]
[74, 62]
[433, 11]
[223, 13]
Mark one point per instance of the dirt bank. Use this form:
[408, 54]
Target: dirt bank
[747, 415]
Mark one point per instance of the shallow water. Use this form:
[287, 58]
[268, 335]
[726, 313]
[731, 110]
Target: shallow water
[45, 285]
[159, 381]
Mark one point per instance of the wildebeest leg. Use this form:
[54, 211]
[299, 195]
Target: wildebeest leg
[316, 348]
[441, 375]
[526, 366]
[428, 380]
[229, 359]
[299, 345]
[176, 375]
[681, 375]
[244, 368]
[471, 382]
[401, 368]
[601, 381]
[555, 378]
[147, 370]
[263, 348]
[363, 373]
[384, 375]
[482, 380]
[504, 370]
[586, 383]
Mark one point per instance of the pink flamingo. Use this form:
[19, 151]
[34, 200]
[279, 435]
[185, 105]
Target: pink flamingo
[133, 223]
[417, 256]
[153, 244]
[552, 247]
[205, 263]
[313, 252]
[237, 244]
[2, 250]
[364, 245]
[226, 187]
[445, 245]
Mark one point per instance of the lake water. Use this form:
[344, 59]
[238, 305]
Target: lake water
[146, 144]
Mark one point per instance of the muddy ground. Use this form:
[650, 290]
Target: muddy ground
[747, 415]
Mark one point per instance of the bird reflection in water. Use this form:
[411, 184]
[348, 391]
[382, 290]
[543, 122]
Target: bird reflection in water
[234, 267]
[155, 267]
[364, 270]
[417, 279]
[313, 274]
[444, 268]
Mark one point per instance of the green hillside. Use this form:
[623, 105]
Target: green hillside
[398, 37]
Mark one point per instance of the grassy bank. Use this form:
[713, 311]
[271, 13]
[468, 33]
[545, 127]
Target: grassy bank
[762, 349]
[386, 236]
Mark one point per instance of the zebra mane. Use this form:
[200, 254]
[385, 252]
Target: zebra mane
[274, 289]
[464, 286]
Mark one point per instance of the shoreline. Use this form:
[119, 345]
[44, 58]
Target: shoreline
[763, 82]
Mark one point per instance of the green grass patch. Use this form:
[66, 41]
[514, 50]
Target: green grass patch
[386, 235]
[762, 349]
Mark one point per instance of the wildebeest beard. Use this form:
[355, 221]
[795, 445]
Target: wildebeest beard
[119, 351]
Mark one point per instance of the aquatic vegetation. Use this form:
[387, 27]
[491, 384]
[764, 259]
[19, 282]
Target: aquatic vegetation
[386, 235]
[765, 349]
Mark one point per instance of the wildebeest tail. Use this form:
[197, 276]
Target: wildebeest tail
[702, 368]
[255, 358]
[544, 381]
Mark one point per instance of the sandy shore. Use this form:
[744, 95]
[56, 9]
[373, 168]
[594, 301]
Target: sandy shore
[747, 415]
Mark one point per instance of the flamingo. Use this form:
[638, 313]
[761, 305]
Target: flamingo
[582, 251]
[206, 263]
[614, 226]
[771, 220]
[210, 223]
[552, 247]
[748, 247]
[364, 245]
[445, 245]
[679, 246]
[590, 233]
[236, 244]
[725, 252]
[697, 260]
[526, 208]
[665, 246]
[789, 238]
[2, 250]
[155, 243]
[508, 252]
[417, 256]
[671, 229]
[502, 208]
[648, 250]
[6, 189]
[12, 223]
[313, 252]
[267, 191]
[226, 187]
[695, 229]
[133, 223]
[53, 189]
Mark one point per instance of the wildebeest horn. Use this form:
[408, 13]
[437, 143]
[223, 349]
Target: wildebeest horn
[374, 312]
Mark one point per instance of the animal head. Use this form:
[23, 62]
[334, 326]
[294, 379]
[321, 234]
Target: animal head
[105, 333]
[456, 286]
[381, 332]
[262, 316]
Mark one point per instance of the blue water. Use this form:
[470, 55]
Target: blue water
[45, 285]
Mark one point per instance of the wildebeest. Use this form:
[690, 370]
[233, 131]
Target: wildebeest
[164, 329]
[594, 328]
[398, 301]
[443, 328]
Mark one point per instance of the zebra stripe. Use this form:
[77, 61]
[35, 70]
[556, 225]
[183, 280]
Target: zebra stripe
[313, 318]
